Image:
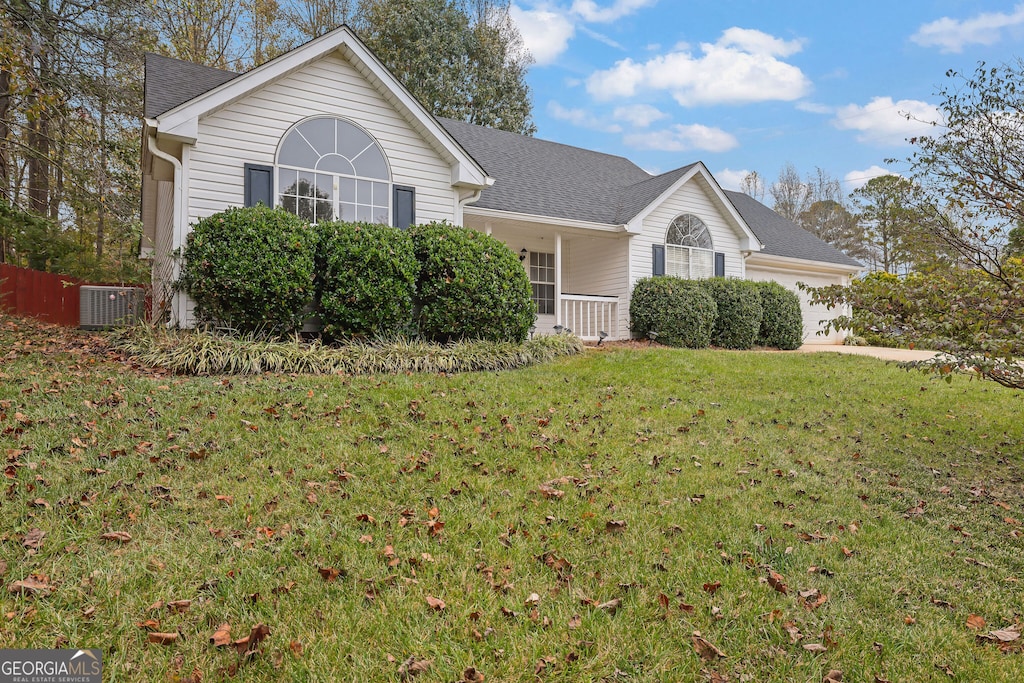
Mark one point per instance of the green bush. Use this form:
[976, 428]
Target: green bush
[739, 312]
[366, 276]
[782, 322]
[470, 286]
[250, 268]
[679, 311]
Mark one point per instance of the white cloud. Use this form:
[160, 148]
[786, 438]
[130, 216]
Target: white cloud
[814, 107]
[951, 35]
[742, 67]
[581, 118]
[546, 32]
[601, 38]
[730, 179]
[884, 122]
[640, 115]
[683, 138]
[856, 179]
[590, 11]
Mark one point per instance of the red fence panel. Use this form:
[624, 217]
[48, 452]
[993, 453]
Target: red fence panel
[48, 296]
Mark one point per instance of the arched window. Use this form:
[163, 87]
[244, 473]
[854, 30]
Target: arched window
[689, 252]
[329, 168]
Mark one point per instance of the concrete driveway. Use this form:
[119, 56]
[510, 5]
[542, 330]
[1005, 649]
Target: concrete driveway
[873, 351]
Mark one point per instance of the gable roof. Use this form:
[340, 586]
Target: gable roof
[782, 237]
[181, 121]
[170, 82]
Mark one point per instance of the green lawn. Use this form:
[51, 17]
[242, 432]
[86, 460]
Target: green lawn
[575, 521]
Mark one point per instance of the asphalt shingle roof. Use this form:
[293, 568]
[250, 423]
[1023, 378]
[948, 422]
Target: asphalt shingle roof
[170, 82]
[534, 176]
[781, 236]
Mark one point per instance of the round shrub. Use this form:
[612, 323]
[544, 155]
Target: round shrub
[251, 268]
[739, 312]
[366, 279]
[470, 286]
[782, 323]
[679, 311]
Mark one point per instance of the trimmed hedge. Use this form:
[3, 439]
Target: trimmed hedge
[782, 322]
[470, 286]
[366, 279]
[250, 268]
[739, 312]
[681, 312]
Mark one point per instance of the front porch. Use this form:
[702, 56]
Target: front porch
[579, 277]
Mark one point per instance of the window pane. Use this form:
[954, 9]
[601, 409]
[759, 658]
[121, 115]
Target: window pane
[320, 134]
[381, 194]
[286, 181]
[348, 212]
[544, 297]
[296, 152]
[351, 139]
[371, 164]
[307, 184]
[380, 215]
[347, 190]
[364, 214]
[335, 163]
[702, 263]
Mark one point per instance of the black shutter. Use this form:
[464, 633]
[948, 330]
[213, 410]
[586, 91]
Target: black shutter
[719, 264]
[404, 213]
[259, 185]
[658, 259]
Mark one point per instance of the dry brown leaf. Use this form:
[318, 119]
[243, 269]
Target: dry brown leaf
[329, 573]
[471, 675]
[296, 648]
[712, 588]
[815, 647]
[435, 604]
[162, 638]
[33, 539]
[1004, 635]
[574, 622]
[149, 625]
[611, 606]
[222, 636]
[33, 586]
[117, 536]
[975, 622]
[615, 525]
[776, 581]
[705, 649]
[833, 676]
[251, 642]
[413, 667]
[179, 606]
[794, 632]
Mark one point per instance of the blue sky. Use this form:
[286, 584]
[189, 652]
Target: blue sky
[751, 85]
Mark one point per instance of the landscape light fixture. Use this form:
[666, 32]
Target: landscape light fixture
[558, 329]
[651, 336]
[601, 336]
[522, 254]
[533, 328]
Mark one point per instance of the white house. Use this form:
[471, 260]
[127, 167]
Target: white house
[326, 131]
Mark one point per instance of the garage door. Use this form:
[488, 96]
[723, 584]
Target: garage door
[812, 314]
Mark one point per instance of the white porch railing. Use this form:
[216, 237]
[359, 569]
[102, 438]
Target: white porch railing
[588, 315]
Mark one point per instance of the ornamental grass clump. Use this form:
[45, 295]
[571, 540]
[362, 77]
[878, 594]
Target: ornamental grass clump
[366, 277]
[250, 269]
[679, 312]
[782, 322]
[470, 286]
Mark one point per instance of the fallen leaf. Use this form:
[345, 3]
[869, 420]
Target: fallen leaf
[833, 676]
[1005, 635]
[611, 606]
[794, 632]
[329, 573]
[615, 525]
[412, 667]
[534, 599]
[222, 636]
[179, 606]
[471, 675]
[712, 588]
[435, 604]
[149, 625]
[162, 638]
[31, 586]
[975, 622]
[815, 647]
[251, 642]
[33, 539]
[574, 622]
[776, 581]
[705, 649]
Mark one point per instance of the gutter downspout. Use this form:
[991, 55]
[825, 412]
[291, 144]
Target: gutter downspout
[177, 302]
[460, 219]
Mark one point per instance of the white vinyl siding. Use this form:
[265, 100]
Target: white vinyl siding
[692, 198]
[248, 131]
[812, 315]
[599, 266]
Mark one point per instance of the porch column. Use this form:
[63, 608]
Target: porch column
[558, 278]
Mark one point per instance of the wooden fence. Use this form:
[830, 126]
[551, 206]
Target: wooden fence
[48, 296]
